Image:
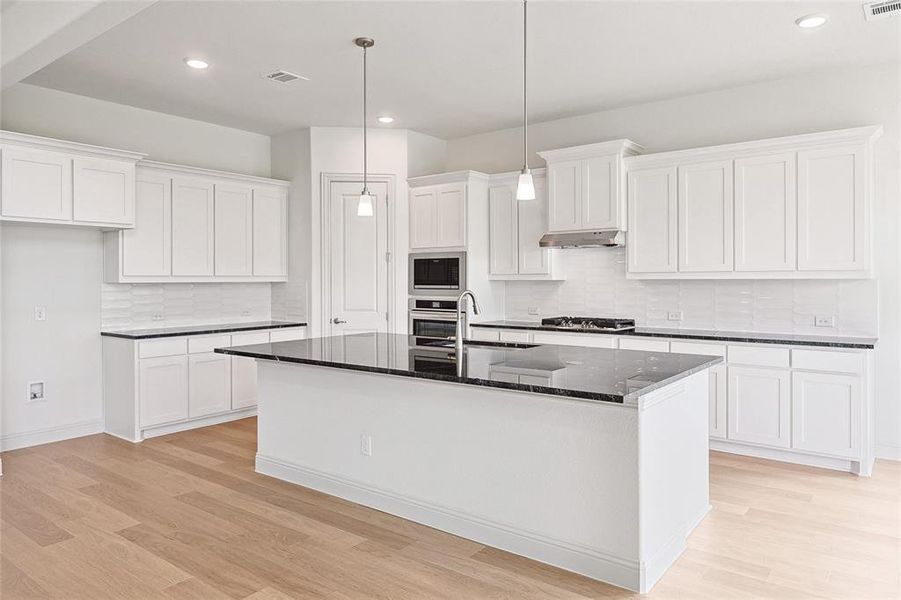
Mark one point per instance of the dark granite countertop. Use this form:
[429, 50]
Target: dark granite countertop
[598, 374]
[790, 339]
[160, 332]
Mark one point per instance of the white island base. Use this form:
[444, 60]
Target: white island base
[607, 490]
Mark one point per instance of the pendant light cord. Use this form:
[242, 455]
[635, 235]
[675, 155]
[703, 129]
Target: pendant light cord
[525, 105]
[365, 153]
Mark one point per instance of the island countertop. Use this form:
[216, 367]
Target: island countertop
[597, 374]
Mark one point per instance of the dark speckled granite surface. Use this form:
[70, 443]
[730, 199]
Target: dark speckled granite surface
[789, 339]
[598, 374]
[159, 332]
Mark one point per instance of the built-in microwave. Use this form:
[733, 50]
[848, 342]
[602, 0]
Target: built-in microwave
[437, 273]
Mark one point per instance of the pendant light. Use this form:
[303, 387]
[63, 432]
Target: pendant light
[364, 206]
[525, 189]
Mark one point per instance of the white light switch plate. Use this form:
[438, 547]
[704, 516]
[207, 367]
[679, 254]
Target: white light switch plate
[824, 321]
[40, 313]
[675, 315]
[534, 310]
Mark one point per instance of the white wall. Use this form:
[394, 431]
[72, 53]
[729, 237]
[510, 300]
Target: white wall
[823, 101]
[426, 154]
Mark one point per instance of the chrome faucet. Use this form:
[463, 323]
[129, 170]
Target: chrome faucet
[462, 332]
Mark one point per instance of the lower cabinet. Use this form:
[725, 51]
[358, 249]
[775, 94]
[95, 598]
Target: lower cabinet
[244, 370]
[718, 398]
[163, 389]
[759, 406]
[209, 389]
[826, 411]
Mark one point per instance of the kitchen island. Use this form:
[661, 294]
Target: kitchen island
[590, 459]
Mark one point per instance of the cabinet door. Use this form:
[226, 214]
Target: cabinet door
[147, 249]
[422, 218]
[600, 200]
[163, 387]
[450, 216]
[270, 233]
[36, 184]
[705, 217]
[244, 370]
[564, 195]
[766, 204]
[103, 191]
[652, 221]
[209, 389]
[503, 239]
[233, 230]
[531, 225]
[832, 219]
[759, 406]
[826, 413]
[718, 395]
[192, 227]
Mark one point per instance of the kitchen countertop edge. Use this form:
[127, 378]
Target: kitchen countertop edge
[143, 334]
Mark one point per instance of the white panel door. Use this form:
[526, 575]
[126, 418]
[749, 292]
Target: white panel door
[209, 384]
[705, 217]
[147, 248]
[163, 385]
[759, 406]
[270, 232]
[233, 230]
[450, 215]
[422, 217]
[244, 370]
[531, 225]
[599, 195]
[503, 242]
[564, 194]
[832, 219]
[192, 227]
[652, 221]
[766, 206]
[826, 413]
[358, 273]
[103, 191]
[36, 184]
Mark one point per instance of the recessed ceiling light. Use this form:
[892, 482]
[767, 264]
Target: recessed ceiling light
[811, 21]
[196, 63]
[386, 120]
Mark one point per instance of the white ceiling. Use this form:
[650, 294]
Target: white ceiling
[452, 68]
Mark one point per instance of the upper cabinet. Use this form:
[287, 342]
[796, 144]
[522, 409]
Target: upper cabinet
[794, 207]
[53, 181]
[197, 225]
[586, 186]
[440, 207]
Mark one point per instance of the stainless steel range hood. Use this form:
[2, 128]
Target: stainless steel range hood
[583, 239]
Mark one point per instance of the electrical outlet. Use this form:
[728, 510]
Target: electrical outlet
[40, 313]
[824, 321]
[366, 444]
[245, 313]
[157, 317]
[675, 315]
[534, 310]
[35, 391]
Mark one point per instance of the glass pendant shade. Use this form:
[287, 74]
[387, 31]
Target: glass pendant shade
[364, 206]
[525, 189]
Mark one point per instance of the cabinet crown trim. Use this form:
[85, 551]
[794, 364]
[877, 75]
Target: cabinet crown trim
[508, 176]
[450, 177]
[625, 146]
[211, 173]
[45, 143]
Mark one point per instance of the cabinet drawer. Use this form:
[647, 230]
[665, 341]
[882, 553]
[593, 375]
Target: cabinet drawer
[515, 336]
[762, 357]
[698, 348]
[823, 360]
[591, 340]
[646, 345]
[484, 334]
[287, 334]
[196, 345]
[249, 338]
[163, 347]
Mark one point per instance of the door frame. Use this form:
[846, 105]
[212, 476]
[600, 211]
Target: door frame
[325, 239]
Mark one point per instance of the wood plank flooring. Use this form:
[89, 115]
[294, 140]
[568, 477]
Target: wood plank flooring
[185, 517]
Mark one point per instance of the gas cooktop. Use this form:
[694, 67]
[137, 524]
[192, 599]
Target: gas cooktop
[596, 323]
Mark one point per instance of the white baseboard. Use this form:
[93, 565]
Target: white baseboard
[26, 439]
[234, 415]
[888, 451]
[654, 568]
[616, 570]
[789, 456]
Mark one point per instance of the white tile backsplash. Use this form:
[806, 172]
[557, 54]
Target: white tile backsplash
[125, 305]
[596, 285]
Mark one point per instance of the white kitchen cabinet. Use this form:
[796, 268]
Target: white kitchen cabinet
[833, 219]
[244, 370]
[192, 227]
[484, 334]
[103, 191]
[438, 216]
[766, 213]
[562, 338]
[287, 334]
[705, 216]
[759, 406]
[826, 413]
[233, 229]
[514, 336]
[147, 249]
[601, 205]
[270, 232]
[423, 218]
[644, 344]
[37, 184]
[503, 241]
[163, 389]
[565, 195]
[718, 400]
[209, 384]
[652, 245]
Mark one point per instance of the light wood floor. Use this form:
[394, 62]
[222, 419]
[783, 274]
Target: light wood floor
[185, 516]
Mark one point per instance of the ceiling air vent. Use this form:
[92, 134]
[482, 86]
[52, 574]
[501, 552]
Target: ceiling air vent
[882, 10]
[285, 76]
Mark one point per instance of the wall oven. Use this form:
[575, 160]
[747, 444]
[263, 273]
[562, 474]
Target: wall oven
[433, 321]
[437, 273]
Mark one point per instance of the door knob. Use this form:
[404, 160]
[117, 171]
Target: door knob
[338, 321]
